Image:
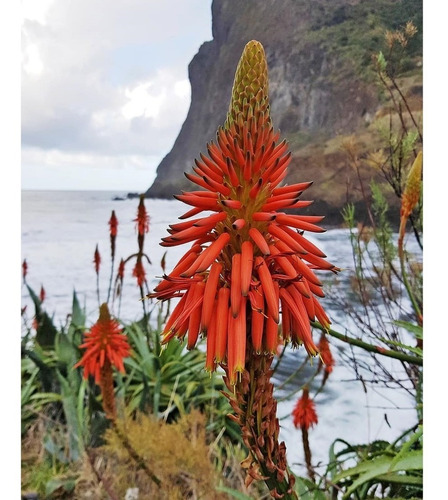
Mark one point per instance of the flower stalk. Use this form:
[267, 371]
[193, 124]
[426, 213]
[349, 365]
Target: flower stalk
[408, 358]
[256, 413]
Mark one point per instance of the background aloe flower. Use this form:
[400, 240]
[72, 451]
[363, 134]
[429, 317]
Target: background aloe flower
[305, 416]
[24, 270]
[139, 272]
[142, 218]
[120, 272]
[97, 260]
[113, 224]
[304, 412]
[105, 346]
[42, 294]
[249, 245]
[326, 357]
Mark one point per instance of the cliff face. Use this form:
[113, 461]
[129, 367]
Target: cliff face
[319, 84]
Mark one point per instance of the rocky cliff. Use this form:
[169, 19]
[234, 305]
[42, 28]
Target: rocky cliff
[321, 85]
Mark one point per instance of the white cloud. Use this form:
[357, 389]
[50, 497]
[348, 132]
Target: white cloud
[36, 10]
[107, 78]
[141, 102]
[183, 89]
[32, 62]
[78, 171]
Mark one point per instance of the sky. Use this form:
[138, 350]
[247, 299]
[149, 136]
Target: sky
[104, 88]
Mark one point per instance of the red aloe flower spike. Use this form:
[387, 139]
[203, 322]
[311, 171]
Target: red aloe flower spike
[24, 269]
[120, 273]
[105, 346]
[304, 417]
[139, 272]
[113, 224]
[42, 294]
[304, 412]
[142, 219]
[97, 260]
[247, 159]
[246, 260]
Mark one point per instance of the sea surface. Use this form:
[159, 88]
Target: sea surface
[60, 230]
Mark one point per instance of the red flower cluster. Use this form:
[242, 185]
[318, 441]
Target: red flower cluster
[113, 224]
[249, 265]
[105, 343]
[304, 413]
[142, 219]
[97, 260]
[139, 272]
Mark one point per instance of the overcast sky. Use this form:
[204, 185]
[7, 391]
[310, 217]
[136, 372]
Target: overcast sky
[105, 88]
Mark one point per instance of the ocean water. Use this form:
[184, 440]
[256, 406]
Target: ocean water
[60, 230]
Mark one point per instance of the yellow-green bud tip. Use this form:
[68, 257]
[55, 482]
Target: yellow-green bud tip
[251, 85]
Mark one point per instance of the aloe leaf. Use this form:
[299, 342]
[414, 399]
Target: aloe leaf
[78, 315]
[371, 469]
[69, 402]
[410, 327]
[67, 484]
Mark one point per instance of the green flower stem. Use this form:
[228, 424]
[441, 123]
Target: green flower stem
[369, 347]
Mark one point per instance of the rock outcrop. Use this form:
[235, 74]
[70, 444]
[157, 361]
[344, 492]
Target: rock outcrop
[319, 85]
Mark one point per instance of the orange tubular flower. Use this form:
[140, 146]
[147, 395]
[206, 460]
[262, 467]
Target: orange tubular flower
[304, 413]
[105, 346]
[24, 269]
[248, 245]
[42, 294]
[325, 354]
